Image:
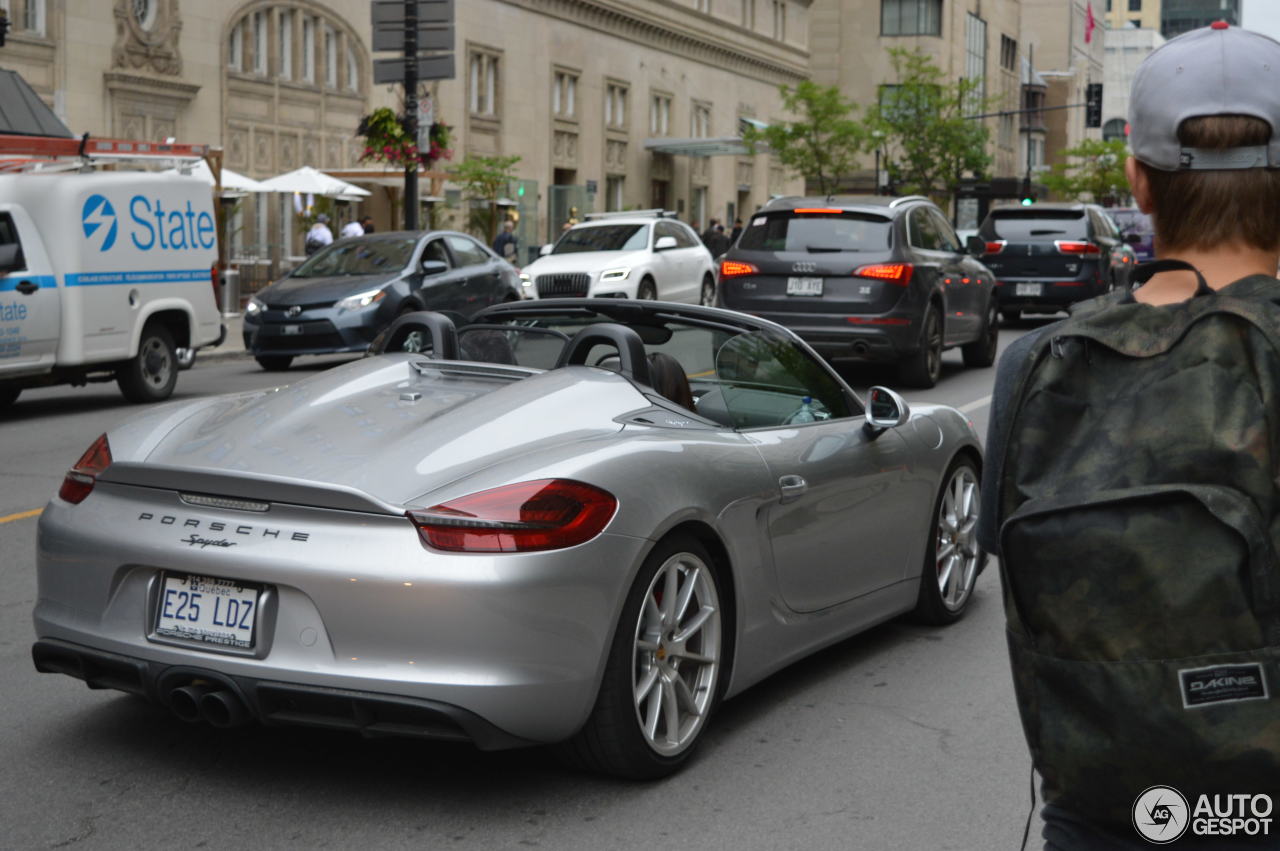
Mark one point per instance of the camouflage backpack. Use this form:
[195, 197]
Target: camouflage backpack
[1139, 525]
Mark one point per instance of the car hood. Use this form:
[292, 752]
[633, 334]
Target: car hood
[592, 262]
[357, 426]
[313, 290]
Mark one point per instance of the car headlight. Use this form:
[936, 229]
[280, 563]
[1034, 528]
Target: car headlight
[255, 305]
[361, 300]
[619, 274]
[526, 280]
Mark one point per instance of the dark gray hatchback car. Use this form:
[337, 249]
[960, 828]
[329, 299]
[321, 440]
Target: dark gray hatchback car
[869, 278]
[341, 297]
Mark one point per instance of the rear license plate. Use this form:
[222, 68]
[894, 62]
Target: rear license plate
[1028, 289]
[208, 610]
[804, 286]
[290, 329]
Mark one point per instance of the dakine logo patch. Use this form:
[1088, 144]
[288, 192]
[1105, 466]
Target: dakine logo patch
[1222, 684]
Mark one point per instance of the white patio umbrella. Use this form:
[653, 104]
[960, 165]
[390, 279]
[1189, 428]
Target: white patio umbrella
[311, 181]
[234, 184]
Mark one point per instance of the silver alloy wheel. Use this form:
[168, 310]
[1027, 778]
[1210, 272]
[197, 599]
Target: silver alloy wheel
[157, 364]
[708, 298]
[956, 542]
[677, 654]
[933, 343]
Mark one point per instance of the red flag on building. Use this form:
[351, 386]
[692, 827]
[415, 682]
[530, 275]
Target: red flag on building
[1089, 23]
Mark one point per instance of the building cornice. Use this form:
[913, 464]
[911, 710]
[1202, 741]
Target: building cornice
[164, 87]
[625, 20]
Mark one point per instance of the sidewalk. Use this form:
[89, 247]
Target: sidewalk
[232, 346]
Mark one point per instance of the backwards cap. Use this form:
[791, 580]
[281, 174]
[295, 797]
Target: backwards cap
[1215, 70]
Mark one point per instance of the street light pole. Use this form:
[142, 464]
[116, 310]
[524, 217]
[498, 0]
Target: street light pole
[411, 111]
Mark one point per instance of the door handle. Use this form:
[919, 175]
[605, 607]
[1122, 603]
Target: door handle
[27, 287]
[792, 487]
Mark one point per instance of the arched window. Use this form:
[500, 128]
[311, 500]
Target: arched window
[294, 42]
[1115, 128]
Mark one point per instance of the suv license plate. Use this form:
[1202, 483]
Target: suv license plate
[290, 330]
[1028, 289]
[208, 610]
[804, 286]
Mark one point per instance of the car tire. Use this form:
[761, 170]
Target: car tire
[654, 677]
[982, 351]
[953, 558]
[647, 290]
[9, 395]
[924, 368]
[707, 298]
[274, 363]
[151, 374]
[1010, 315]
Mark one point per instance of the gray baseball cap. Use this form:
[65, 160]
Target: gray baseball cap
[1215, 70]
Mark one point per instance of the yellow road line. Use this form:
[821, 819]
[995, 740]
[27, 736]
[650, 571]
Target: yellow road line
[21, 515]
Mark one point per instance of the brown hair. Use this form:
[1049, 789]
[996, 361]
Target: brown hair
[666, 375]
[1207, 209]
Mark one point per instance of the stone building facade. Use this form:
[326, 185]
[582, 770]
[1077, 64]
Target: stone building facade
[1069, 55]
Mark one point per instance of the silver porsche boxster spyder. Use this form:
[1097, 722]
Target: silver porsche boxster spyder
[582, 522]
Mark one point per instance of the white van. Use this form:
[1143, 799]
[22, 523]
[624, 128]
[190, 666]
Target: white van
[103, 276]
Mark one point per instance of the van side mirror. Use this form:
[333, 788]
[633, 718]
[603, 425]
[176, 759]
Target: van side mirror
[885, 410]
[975, 245]
[434, 267]
[11, 258]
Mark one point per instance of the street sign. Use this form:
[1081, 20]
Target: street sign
[432, 37]
[1093, 105]
[429, 68]
[429, 12]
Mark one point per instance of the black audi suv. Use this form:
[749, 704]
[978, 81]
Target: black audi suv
[1047, 257]
[869, 278]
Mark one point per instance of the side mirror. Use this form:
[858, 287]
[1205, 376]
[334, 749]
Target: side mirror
[434, 267]
[664, 243]
[1133, 238]
[546, 249]
[885, 410]
[975, 245]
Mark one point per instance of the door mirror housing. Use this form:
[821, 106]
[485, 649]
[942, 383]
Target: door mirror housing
[975, 245]
[434, 267]
[664, 243]
[546, 249]
[885, 410]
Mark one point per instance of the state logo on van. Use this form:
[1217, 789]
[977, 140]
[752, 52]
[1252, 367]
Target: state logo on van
[99, 221]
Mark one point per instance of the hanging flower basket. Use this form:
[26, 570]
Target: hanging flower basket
[386, 141]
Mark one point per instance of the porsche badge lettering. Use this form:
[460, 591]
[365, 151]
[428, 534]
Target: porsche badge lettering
[222, 526]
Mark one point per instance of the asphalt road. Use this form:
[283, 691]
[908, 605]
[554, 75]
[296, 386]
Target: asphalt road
[901, 738]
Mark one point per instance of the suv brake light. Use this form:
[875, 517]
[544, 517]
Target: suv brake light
[1071, 247]
[733, 268]
[81, 478]
[894, 273]
[545, 514]
[996, 247]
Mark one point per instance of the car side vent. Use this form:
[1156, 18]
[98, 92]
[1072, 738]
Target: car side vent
[224, 502]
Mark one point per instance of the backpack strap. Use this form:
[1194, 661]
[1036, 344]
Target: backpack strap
[1144, 272]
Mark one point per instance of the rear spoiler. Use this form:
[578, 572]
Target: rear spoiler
[250, 487]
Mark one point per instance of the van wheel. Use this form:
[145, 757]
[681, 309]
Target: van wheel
[153, 372]
[8, 395]
[274, 363]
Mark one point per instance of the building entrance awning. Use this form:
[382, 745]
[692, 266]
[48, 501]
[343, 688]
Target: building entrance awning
[704, 147]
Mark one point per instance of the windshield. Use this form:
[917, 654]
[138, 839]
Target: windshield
[360, 257]
[1131, 221]
[1019, 225]
[603, 238]
[810, 232]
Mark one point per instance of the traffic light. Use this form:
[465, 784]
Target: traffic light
[1093, 105]
[1028, 198]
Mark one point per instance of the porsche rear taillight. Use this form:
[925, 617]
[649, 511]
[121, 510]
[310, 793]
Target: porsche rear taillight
[81, 478]
[546, 514]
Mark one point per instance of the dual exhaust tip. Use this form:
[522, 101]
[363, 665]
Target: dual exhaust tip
[209, 702]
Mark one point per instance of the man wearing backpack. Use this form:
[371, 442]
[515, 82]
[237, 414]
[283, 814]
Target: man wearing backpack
[1131, 485]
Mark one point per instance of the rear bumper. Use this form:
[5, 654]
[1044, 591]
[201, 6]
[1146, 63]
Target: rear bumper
[876, 339]
[1055, 294]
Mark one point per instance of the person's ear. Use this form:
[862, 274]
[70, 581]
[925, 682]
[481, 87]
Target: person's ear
[1138, 184]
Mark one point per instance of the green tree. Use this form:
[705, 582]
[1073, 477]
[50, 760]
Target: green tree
[928, 141]
[485, 179]
[824, 142]
[1094, 168]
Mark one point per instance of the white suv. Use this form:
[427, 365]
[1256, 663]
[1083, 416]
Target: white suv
[625, 255]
